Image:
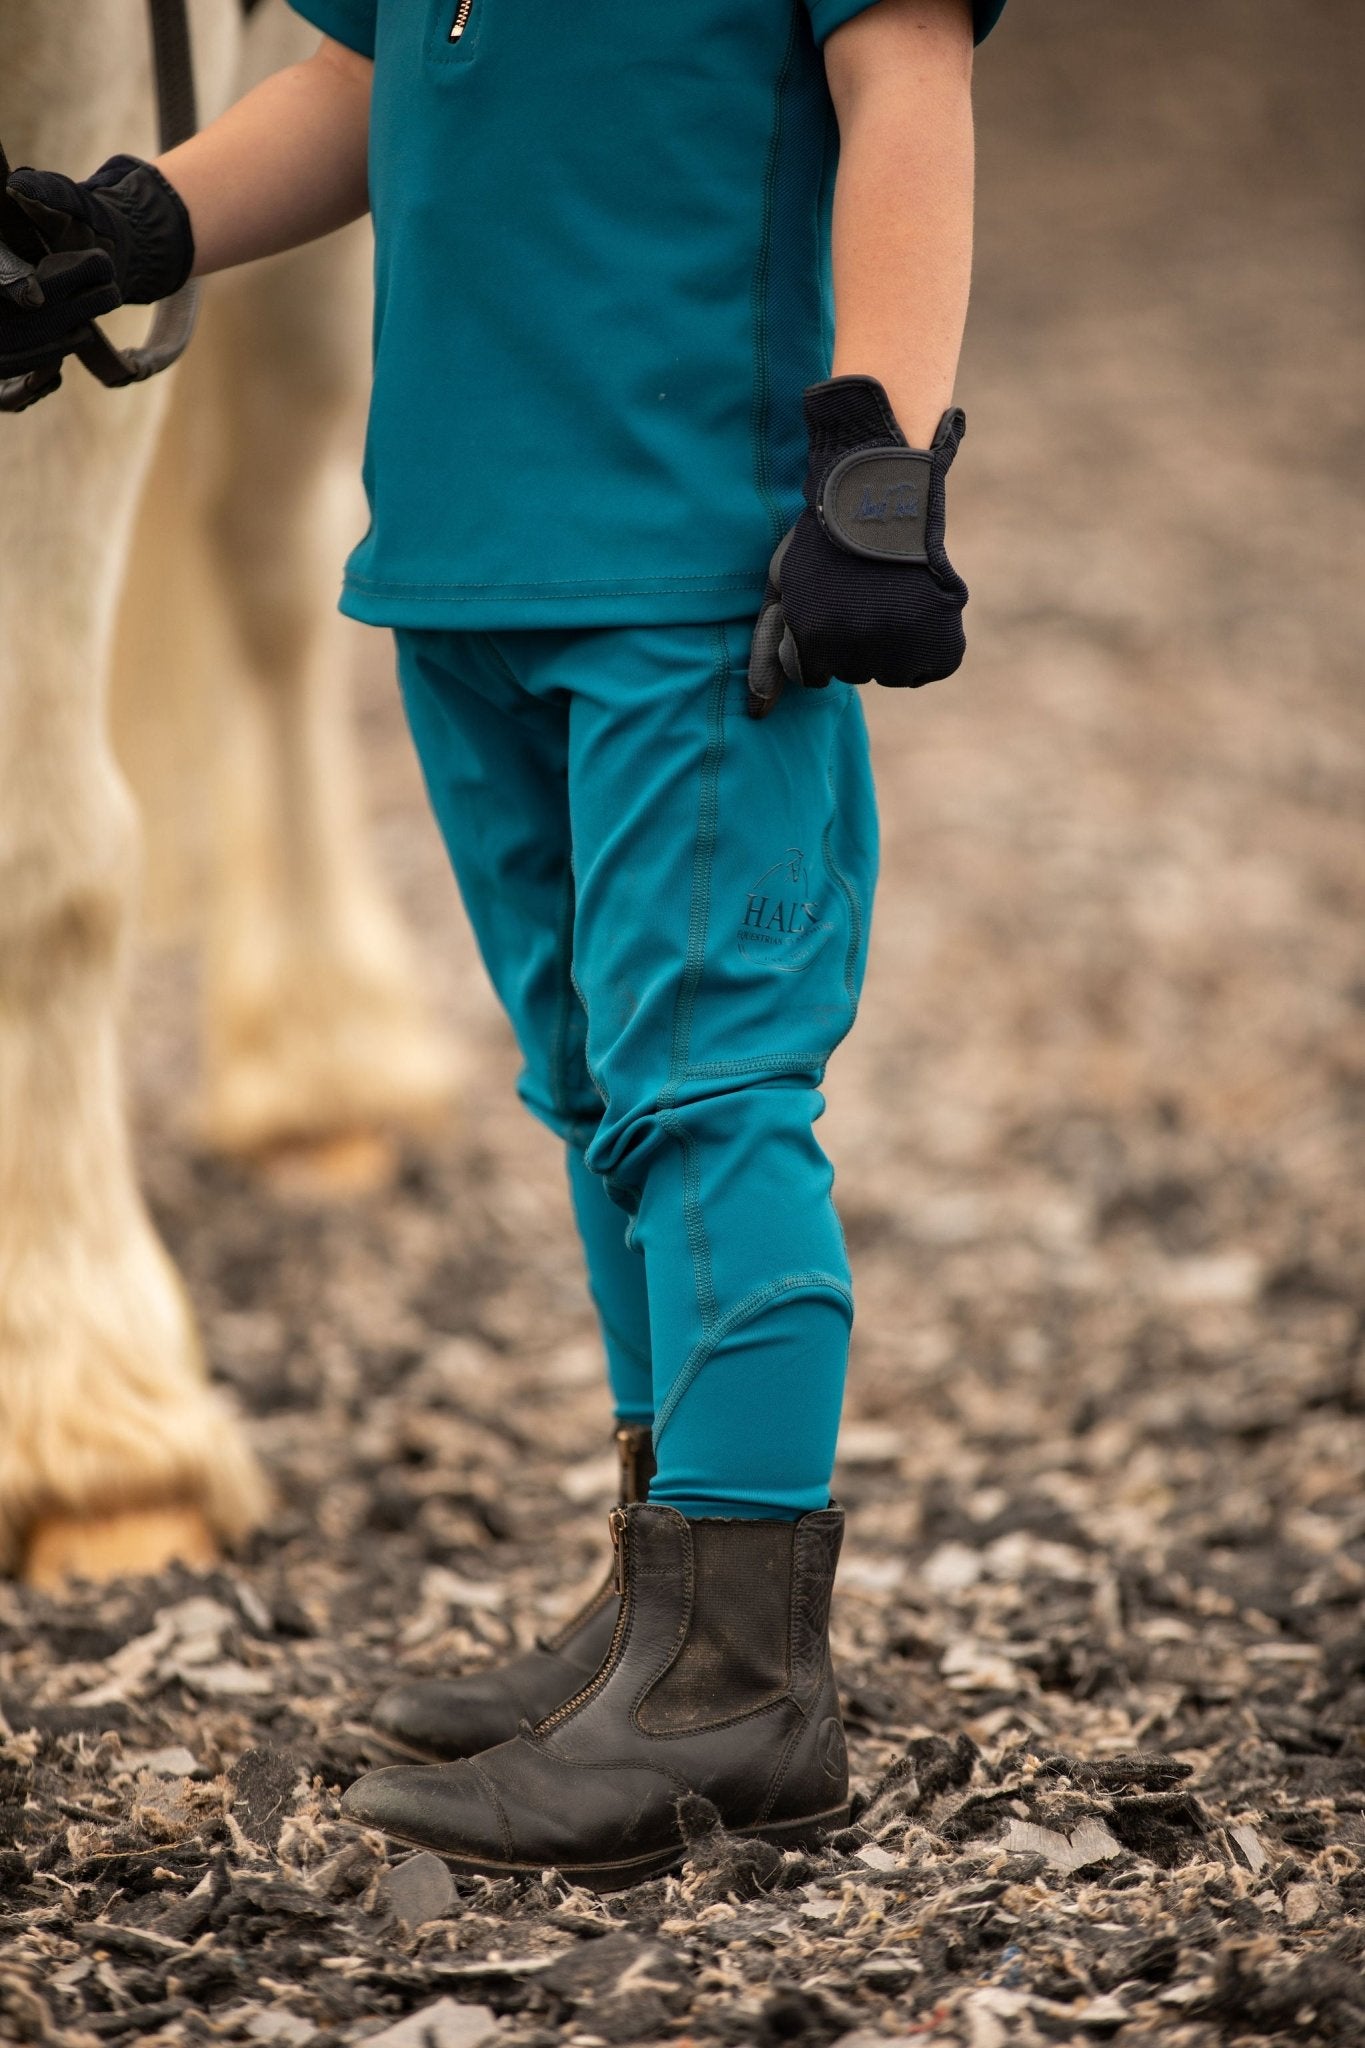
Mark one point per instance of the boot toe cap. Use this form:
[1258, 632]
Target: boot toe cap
[441, 1807]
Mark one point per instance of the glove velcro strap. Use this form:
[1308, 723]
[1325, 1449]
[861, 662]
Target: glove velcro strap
[875, 502]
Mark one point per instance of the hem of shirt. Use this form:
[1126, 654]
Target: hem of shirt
[490, 609]
[827, 15]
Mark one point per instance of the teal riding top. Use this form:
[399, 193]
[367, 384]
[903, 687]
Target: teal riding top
[602, 283]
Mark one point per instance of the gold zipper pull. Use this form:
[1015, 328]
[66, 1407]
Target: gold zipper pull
[461, 21]
[616, 1522]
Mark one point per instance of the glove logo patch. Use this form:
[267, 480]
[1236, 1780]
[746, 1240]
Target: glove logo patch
[875, 502]
[900, 502]
[781, 926]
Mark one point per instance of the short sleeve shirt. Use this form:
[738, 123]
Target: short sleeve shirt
[602, 284]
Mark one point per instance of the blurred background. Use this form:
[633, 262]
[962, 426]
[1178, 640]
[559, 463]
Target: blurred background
[1098, 1134]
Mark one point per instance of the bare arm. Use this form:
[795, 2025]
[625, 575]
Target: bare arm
[900, 76]
[283, 166]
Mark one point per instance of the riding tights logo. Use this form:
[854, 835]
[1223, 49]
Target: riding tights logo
[781, 924]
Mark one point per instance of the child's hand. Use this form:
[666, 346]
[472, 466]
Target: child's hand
[861, 588]
[71, 252]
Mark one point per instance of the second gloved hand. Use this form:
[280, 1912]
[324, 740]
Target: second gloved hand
[70, 252]
[861, 588]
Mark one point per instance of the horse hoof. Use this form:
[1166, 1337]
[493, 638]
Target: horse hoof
[100, 1547]
[331, 1169]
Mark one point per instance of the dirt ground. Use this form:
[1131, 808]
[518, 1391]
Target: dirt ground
[1098, 1138]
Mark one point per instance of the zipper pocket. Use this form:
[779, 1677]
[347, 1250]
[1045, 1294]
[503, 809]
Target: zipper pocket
[461, 21]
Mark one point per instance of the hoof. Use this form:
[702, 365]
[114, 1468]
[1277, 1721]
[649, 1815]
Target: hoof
[100, 1547]
[331, 1169]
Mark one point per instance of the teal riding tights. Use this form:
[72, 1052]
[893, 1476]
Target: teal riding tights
[672, 902]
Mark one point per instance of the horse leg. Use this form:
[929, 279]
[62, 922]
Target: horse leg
[317, 1043]
[114, 1452]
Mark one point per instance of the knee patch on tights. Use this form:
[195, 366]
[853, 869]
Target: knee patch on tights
[751, 1421]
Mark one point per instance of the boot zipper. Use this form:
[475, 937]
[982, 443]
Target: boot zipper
[461, 21]
[616, 1522]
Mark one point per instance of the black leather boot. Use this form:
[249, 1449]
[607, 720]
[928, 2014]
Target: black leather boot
[718, 1681]
[439, 1718]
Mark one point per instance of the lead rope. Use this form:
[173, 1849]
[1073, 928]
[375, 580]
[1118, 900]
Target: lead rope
[174, 318]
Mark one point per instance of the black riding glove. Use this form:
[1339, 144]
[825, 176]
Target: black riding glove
[861, 587]
[70, 252]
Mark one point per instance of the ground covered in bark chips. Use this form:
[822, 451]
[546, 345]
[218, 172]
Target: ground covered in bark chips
[1100, 1626]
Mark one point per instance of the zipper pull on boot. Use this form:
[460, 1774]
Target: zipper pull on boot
[616, 1524]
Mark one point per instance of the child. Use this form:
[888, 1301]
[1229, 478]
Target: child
[603, 284]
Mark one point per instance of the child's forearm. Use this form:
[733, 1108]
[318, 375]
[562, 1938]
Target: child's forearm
[284, 165]
[900, 76]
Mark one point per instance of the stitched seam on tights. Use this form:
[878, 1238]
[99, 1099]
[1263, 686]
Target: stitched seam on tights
[703, 859]
[694, 1224]
[559, 1047]
[845, 887]
[717, 1070]
[760, 415]
[701, 1354]
[577, 987]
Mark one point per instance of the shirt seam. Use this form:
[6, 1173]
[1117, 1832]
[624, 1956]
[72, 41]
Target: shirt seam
[761, 412]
